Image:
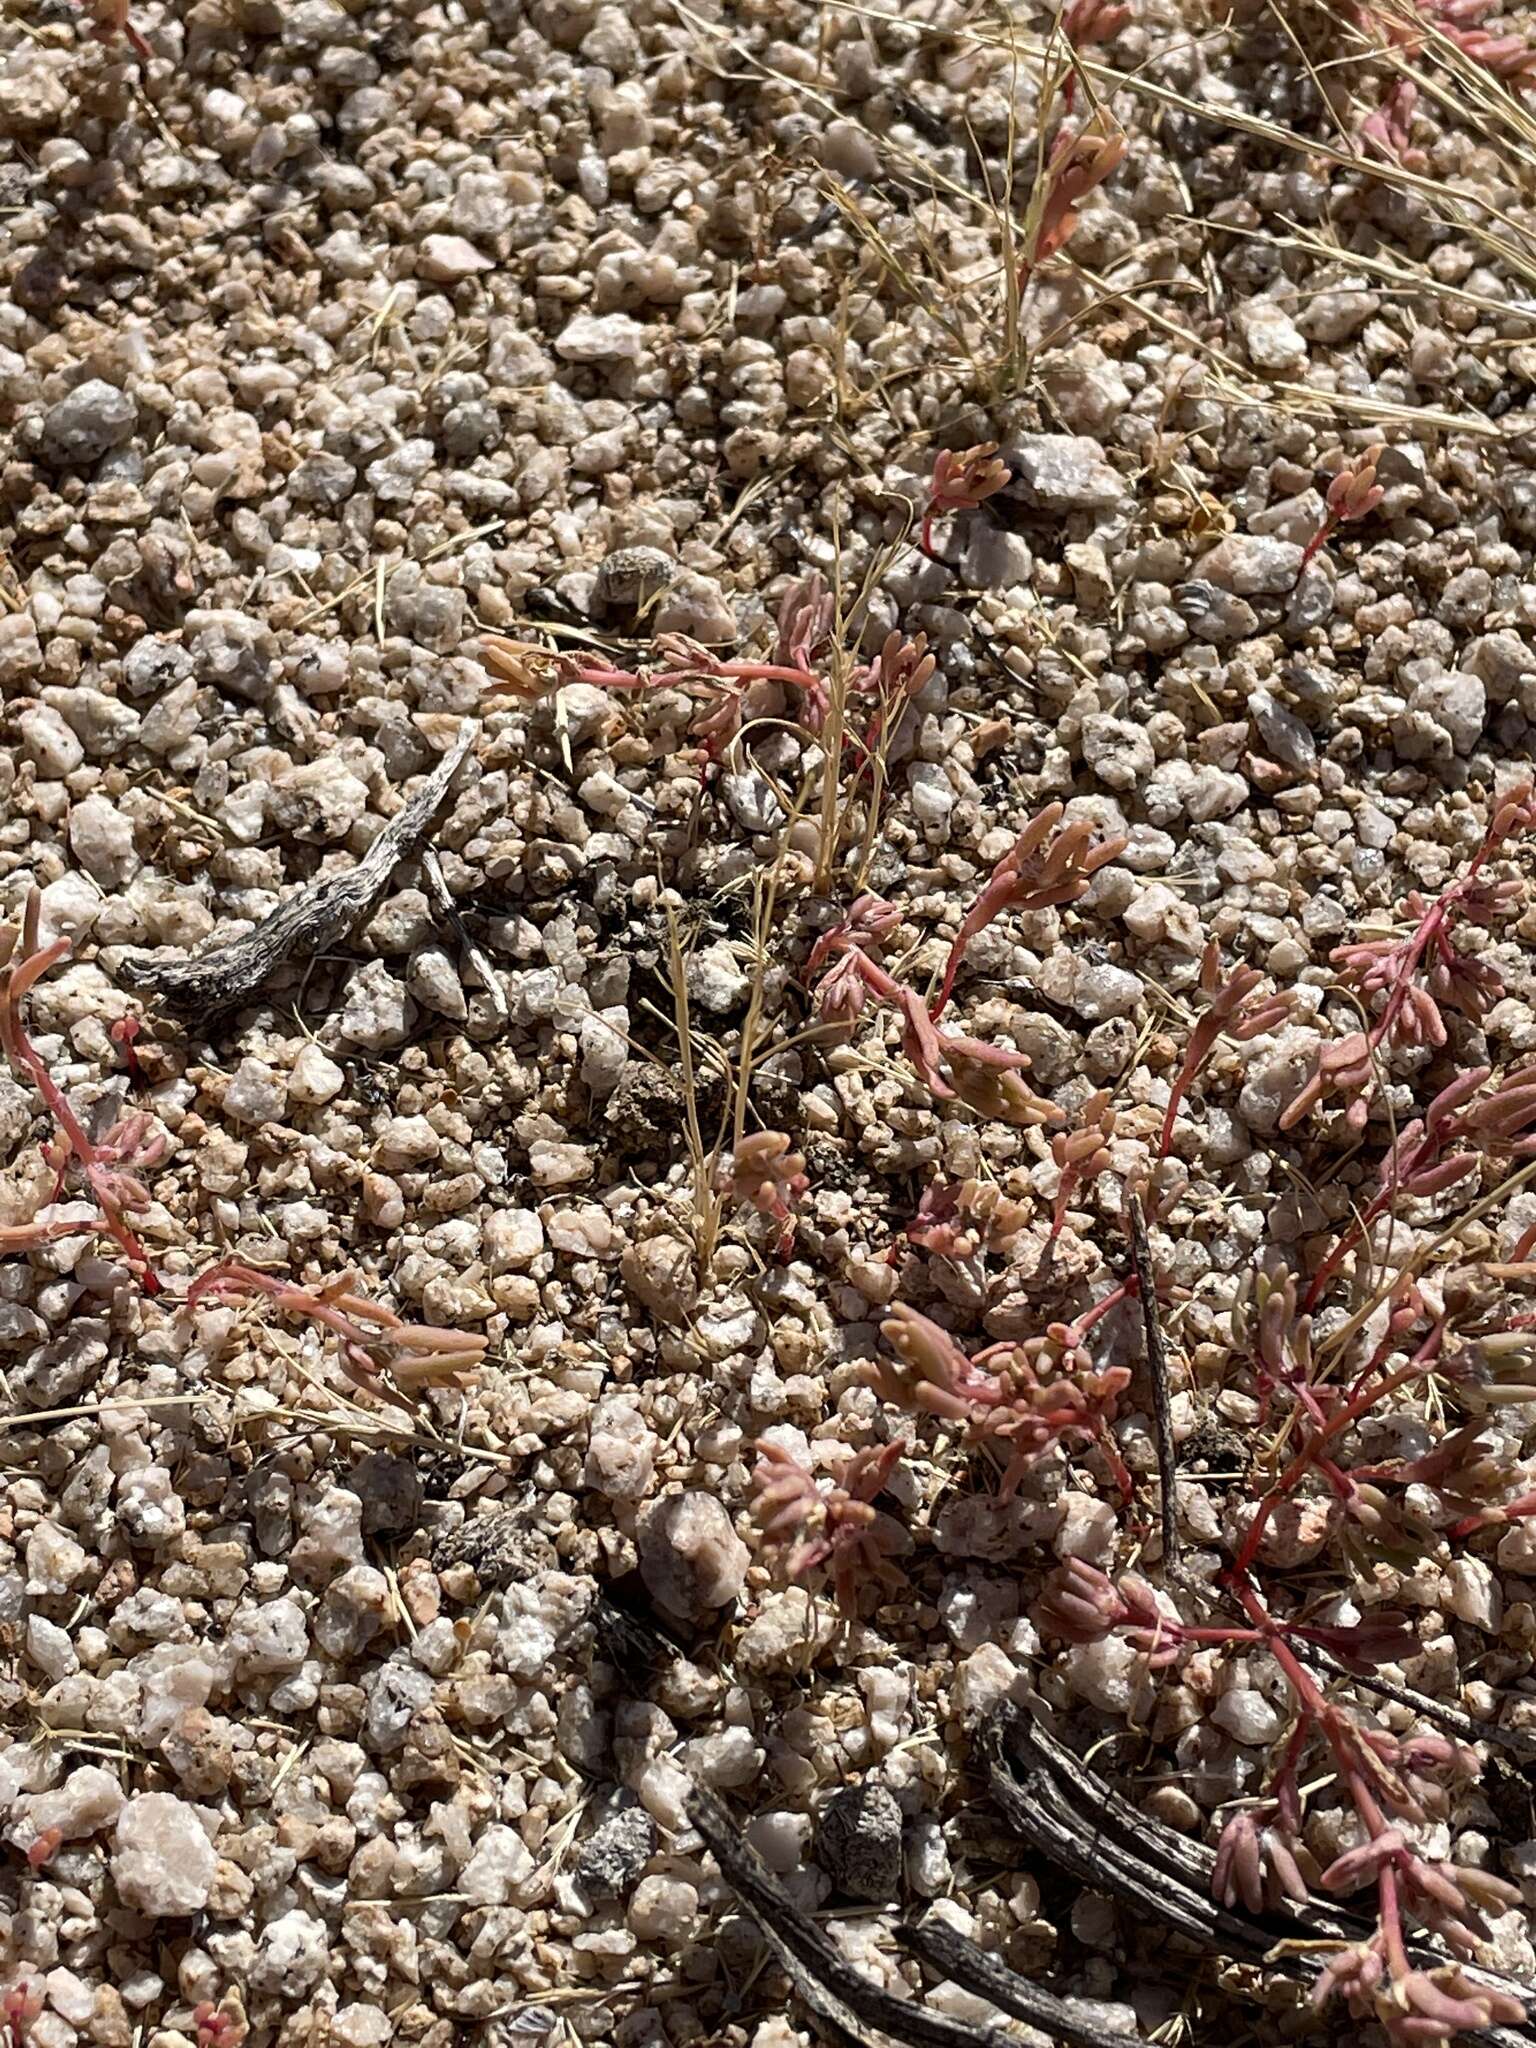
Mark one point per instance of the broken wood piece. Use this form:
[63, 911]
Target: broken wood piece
[1157, 1368]
[952, 1956]
[443, 903]
[309, 920]
[848, 2007]
[1083, 1825]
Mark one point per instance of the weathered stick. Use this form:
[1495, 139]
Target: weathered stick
[846, 2004]
[307, 921]
[942, 1949]
[443, 903]
[1157, 1368]
[1072, 1816]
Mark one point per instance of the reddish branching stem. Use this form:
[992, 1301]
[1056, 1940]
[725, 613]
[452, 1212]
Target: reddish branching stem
[831, 1523]
[961, 481]
[1050, 863]
[1084, 23]
[413, 1355]
[1509, 57]
[1232, 1010]
[1442, 1147]
[122, 1034]
[988, 1078]
[768, 1174]
[1081, 1155]
[956, 1219]
[109, 1167]
[898, 671]
[1080, 160]
[1387, 132]
[1387, 1779]
[1414, 976]
[1028, 1397]
[1260, 1860]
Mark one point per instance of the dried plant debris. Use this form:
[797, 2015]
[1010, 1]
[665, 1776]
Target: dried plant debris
[310, 921]
[766, 977]
[846, 2003]
[1229, 1902]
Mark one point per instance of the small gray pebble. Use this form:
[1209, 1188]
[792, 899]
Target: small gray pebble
[612, 1857]
[858, 1843]
[390, 1490]
[632, 576]
[1214, 614]
[91, 419]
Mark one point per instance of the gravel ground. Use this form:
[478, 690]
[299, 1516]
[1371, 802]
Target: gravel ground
[334, 337]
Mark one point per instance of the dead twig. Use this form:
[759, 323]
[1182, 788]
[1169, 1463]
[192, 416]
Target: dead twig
[951, 1955]
[1465, 1727]
[1082, 1824]
[847, 2006]
[443, 903]
[307, 922]
[1157, 1367]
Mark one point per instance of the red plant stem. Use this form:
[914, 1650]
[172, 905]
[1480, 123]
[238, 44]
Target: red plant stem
[1311, 1452]
[1196, 1054]
[1077, 1331]
[938, 504]
[613, 678]
[1319, 539]
[1222, 1635]
[1360, 1403]
[1101, 1308]
[1431, 931]
[871, 973]
[298, 1301]
[1428, 931]
[1357, 1230]
[1326, 1270]
[661, 679]
[1256, 1528]
[1286, 1795]
[940, 1002]
[1119, 1470]
[1373, 1364]
[122, 1034]
[21, 1051]
[1175, 1096]
[1311, 1702]
[764, 672]
[1307, 1694]
[1345, 1747]
[1513, 1511]
[1390, 1914]
[1377, 1206]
